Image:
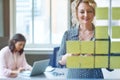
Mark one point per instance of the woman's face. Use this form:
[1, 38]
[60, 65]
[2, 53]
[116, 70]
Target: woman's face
[19, 45]
[85, 13]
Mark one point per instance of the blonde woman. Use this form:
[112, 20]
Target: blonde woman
[85, 13]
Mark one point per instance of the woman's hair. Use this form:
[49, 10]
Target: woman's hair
[91, 3]
[17, 37]
[75, 5]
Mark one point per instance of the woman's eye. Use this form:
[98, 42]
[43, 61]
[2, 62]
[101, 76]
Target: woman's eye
[81, 12]
[90, 11]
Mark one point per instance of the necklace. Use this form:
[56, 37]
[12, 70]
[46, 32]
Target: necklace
[85, 35]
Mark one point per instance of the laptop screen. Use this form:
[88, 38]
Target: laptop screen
[39, 67]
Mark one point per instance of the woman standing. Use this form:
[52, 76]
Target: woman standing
[85, 13]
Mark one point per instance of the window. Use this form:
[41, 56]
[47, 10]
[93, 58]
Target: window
[43, 22]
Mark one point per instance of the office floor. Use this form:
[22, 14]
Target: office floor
[111, 75]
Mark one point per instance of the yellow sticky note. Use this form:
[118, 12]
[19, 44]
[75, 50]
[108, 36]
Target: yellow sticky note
[101, 32]
[101, 61]
[115, 32]
[115, 47]
[102, 13]
[80, 62]
[87, 47]
[73, 62]
[114, 62]
[101, 47]
[115, 13]
[73, 47]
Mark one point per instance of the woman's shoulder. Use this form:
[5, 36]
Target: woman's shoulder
[73, 29]
[5, 49]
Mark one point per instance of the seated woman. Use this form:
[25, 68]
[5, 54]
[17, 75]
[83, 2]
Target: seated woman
[12, 57]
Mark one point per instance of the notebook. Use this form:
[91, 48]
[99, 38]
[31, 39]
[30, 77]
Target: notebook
[38, 68]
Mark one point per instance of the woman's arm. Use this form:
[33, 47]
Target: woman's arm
[25, 65]
[4, 58]
[62, 49]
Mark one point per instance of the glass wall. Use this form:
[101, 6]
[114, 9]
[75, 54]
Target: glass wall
[42, 21]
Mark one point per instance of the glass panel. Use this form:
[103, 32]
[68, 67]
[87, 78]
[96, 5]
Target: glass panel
[102, 11]
[115, 20]
[41, 21]
[59, 19]
[102, 3]
[32, 20]
[1, 18]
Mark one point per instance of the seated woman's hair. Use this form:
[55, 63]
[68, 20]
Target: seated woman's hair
[15, 39]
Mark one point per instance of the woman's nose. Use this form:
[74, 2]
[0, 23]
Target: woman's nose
[86, 14]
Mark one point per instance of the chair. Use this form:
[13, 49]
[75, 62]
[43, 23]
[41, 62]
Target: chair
[53, 57]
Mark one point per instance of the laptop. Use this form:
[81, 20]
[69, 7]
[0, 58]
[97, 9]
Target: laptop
[38, 68]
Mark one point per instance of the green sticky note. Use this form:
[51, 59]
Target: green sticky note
[102, 13]
[115, 13]
[80, 62]
[115, 32]
[101, 61]
[101, 32]
[115, 47]
[73, 47]
[87, 47]
[114, 62]
[101, 47]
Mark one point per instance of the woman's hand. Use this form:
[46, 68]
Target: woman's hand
[64, 58]
[14, 73]
[20, 69]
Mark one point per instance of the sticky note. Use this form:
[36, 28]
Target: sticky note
[115, 13]
[114, 62]
[116, 32]
[87, 47]
[115, 47]
[101, 47]
[73, 47]
[101, 61]
[101, 32]
[102, 13]
[80, 62]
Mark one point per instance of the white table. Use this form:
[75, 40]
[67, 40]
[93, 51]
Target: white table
[57, 74]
